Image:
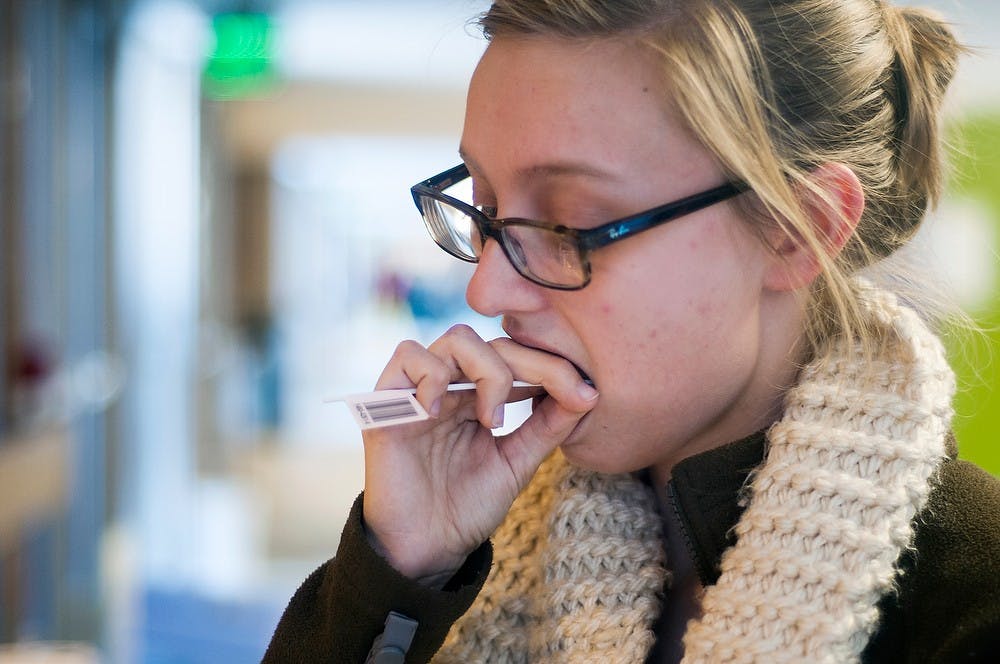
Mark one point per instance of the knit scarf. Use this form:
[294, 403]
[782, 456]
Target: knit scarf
[580, 571]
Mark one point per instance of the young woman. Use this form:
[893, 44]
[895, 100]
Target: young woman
[741, 448]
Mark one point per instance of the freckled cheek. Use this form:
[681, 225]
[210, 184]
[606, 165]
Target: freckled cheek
[703, 309]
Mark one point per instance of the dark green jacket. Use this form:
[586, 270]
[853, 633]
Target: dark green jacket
[946, 608]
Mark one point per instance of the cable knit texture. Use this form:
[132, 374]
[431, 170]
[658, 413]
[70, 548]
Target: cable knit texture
[580, 569]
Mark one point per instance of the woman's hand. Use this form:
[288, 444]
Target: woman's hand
[435, 490]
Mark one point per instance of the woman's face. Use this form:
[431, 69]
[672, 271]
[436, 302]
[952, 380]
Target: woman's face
[671, 328]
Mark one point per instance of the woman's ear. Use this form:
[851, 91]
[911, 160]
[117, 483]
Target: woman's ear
[833, 209]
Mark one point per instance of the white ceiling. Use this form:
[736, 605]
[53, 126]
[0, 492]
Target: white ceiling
[350, 67]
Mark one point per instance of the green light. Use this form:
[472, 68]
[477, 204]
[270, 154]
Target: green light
[240, 62]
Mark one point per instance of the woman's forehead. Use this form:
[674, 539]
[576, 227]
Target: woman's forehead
[544, 106]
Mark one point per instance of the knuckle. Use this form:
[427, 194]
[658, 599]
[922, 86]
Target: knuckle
[461, 330]
[407, 347]
[549, 429]
[419, 363]
[501, 343]
[455, 337]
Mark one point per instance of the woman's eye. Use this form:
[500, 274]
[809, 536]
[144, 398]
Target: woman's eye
[489, 210]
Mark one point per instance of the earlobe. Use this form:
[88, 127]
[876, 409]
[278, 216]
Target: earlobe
[833, 207]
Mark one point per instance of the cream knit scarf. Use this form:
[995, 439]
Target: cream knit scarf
[580, 569]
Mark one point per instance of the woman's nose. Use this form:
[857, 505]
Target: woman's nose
[496, 288]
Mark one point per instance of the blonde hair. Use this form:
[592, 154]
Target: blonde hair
[775, 89]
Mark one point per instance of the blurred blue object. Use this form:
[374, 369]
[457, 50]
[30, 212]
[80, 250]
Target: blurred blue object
[187, 628]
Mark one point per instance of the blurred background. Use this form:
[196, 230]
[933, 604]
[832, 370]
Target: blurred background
[206, 229]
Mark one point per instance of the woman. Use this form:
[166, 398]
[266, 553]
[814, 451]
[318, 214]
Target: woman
[741, 447]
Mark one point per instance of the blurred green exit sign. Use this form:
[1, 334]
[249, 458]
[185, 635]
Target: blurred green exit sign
[240, 62]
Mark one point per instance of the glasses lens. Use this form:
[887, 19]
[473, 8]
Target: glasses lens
[451, 228]
[544, 255]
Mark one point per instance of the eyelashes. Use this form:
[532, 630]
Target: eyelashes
[490, 210]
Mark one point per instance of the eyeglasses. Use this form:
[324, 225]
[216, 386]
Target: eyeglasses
[549, 255]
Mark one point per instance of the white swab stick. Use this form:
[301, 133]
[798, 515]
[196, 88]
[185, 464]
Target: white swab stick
[452, 387]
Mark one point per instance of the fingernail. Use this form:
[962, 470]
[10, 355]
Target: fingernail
[435, 408]
[586, 391]
[498, 417]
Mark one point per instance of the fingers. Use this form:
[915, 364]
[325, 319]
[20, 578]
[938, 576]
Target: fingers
[549, 425]
[477, 361]
[462, 355]
[458, 355]
[555, 415]
[555, 374]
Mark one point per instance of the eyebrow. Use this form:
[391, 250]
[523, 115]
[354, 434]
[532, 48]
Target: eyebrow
[554, 168]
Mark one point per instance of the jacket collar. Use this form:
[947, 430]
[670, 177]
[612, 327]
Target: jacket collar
[706, 490]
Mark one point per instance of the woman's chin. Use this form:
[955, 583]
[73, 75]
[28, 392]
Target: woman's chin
[590, 453]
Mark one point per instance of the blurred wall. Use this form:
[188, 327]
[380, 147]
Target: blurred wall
[59, 374]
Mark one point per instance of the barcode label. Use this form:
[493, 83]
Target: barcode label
[385, 408]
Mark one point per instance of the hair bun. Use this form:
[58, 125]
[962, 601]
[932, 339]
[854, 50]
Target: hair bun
[926, 58]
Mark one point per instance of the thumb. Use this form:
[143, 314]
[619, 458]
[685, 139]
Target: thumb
[549, 425]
